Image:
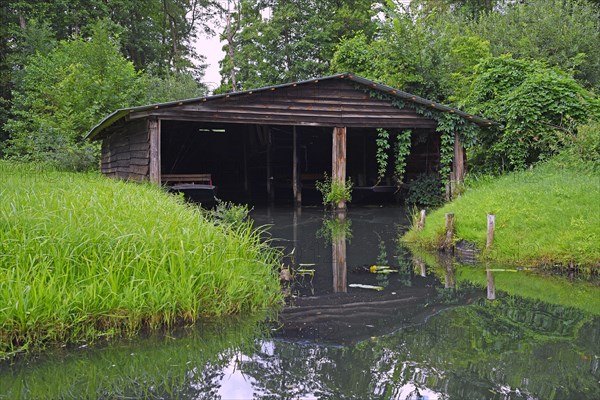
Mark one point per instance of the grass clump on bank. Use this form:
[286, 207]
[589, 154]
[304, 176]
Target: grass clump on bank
[83, 256]
[547, 215]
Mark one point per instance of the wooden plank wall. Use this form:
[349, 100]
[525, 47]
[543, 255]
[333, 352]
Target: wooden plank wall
[126, 152]
[327, 103]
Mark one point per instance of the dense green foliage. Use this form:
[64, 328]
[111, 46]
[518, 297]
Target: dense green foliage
[425, 191]
[60, 76]
[86, 257]
[538, 109]
[280, 41]
[64, 93]
[459, 52]
[544, 216]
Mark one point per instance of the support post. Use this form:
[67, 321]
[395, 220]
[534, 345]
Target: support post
[270, 194]
[458, 165]
[491, 226]
[338, 258]
[338, 160]
[245, 149]
[154, 142]
[297, 189]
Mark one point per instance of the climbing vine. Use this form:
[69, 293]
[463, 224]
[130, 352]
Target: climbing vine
[401, 151]
[448, 125]
[383, 145]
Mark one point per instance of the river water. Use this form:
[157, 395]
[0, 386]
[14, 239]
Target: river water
[431, 330]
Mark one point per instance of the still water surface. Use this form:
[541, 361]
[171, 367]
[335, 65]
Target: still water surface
[430, 333]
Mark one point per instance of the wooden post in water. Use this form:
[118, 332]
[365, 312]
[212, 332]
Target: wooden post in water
[449, 280]
[296, 188]
[338, 160]
[154, 141]
[422, 267]
[421, 222]
[338, 258]
[449, 232]
[491, 226]
[491, 285]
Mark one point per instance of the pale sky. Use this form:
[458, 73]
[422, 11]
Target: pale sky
[210, 47]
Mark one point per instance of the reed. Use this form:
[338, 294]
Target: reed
[83, 257]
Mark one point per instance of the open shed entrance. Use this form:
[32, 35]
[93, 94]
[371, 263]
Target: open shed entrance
[255, 163]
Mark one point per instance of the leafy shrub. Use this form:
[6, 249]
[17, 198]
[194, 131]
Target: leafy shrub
[584, 153]
[333, 192]
[426, 191]
[231, 214]
[64, 93]
[538, 108]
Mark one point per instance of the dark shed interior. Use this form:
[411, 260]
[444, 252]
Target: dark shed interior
[274, 143]
[241, 158]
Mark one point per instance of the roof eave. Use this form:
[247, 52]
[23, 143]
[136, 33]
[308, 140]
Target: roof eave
[118, 114]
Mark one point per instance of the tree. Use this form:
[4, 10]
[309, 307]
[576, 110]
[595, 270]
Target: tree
[288, 40]
[538, 107]
[64, 93]
[563, 33]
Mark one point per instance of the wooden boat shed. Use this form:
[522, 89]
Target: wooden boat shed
[273, 141]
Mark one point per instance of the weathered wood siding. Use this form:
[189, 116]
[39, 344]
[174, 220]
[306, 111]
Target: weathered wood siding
[126, 152]
[333, 102]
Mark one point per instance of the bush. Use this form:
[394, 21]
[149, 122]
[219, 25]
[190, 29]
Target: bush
[426, 191]
[333, 192]
[538, 108]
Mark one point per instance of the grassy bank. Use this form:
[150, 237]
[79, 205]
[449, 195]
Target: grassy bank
[545, 216]
[83, 256]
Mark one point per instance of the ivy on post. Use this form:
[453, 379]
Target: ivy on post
[458, 165]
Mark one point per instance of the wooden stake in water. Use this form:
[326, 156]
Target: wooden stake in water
[491, 226]
[491, 285]
[449, 231]
[421, 222]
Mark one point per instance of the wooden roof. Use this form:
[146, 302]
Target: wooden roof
[339, 100]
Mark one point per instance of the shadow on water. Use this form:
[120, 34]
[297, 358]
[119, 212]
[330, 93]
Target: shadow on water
[432, 331]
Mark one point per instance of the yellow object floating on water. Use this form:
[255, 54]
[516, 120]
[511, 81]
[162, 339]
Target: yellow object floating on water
[381, 269]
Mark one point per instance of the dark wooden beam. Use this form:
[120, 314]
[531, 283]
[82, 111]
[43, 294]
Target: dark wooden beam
[297, 190]
[154, 139]
[270, 193]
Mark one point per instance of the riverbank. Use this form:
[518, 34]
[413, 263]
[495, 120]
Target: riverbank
[85, 257]
[546, 216]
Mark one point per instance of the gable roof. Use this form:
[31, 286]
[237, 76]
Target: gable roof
[368, 84]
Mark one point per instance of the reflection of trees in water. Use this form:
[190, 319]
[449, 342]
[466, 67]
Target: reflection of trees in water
[546, 351]
[542, 350]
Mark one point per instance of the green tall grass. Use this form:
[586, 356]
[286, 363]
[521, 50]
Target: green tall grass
[545, 216]
[83, 256]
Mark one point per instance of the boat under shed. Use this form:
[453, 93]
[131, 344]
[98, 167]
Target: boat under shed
[273, 143]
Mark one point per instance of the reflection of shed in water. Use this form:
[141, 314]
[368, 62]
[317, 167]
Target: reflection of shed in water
[274, 142]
